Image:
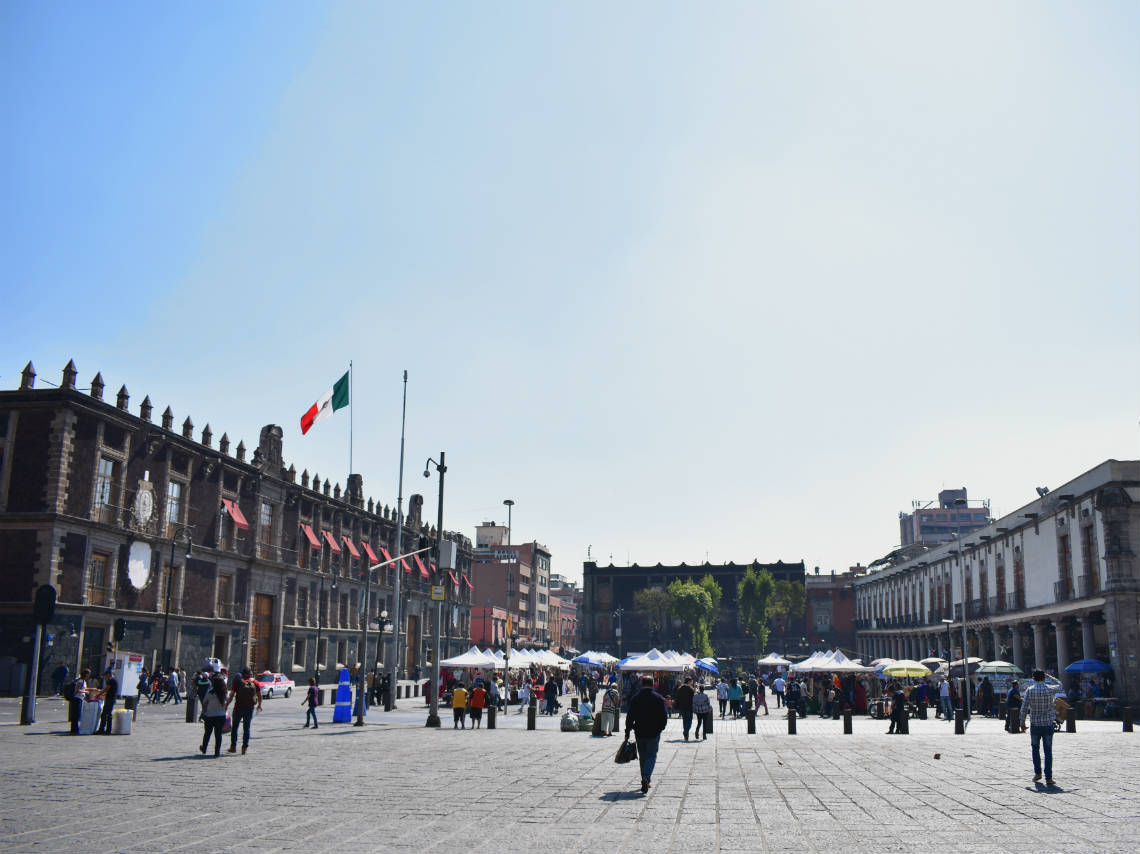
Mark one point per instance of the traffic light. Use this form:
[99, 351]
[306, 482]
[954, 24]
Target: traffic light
[120, 629]
[110, 647]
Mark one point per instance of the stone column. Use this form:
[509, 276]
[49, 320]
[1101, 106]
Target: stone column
[1062, 628]
[1039, 630]
[1015, 644]
[995, 636]
[1088, 636]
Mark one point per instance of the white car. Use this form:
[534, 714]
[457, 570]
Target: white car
[274, 684]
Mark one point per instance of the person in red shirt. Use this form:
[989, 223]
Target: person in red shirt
[478, 701]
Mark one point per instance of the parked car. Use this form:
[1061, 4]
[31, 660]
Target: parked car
[274, 684]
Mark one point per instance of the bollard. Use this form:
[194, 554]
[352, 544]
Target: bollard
[792, 723]
[709, 722]
[959, 721]
[574, 703]
[191, 707]
[531, 715]
[1126, 717]
[751, 721]
[1071, 720]
[491, 711]
[847, 722]
[904, 724]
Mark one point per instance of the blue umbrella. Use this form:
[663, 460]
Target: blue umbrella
[708, 664]
[1087, 665]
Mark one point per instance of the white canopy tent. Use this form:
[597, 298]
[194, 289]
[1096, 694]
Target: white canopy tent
[654, 660]
[473, 658]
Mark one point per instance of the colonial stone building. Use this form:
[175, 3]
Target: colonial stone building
[607, 605]
[228, 555]
[1053, 582]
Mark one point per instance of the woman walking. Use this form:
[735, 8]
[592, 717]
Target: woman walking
[312, 699]
[214, 713]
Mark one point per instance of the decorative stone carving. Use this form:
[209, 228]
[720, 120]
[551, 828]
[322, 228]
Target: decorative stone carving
[145, 408]
[69, 372]
[97, 386]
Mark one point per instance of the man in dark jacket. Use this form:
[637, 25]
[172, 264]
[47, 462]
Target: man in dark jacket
[110, 694]
[683, 701]
[647, 717]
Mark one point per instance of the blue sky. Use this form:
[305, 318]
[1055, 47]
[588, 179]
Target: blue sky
[736, 281]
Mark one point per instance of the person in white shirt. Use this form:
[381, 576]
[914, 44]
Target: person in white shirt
[778, 690]
[944, 699]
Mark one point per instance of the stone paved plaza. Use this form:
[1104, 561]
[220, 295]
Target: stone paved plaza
[396, 786]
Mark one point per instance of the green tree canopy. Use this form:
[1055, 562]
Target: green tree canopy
[753, 595]
[788, 600]
[693, 605]
[654, 605]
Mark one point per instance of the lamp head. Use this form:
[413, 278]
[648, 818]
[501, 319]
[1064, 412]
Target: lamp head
[427, 473]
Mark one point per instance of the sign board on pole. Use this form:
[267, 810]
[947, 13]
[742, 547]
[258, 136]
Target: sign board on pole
[437, 593]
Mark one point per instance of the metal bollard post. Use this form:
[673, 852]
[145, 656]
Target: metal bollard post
[904, 723]
[191, 707]
[574, 703]
[1126, 717]
[847, 722]
[491, 711]
[709, 722]
[959, 721]
[792, 723]
[1071, 720]
[531, 715]
[751, 721]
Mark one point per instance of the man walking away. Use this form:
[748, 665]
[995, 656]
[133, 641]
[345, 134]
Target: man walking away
[646, 717]
[778, 689]
[702, 711]
[172, 687]
[683, 701]
[246, 696]
[1038, 707]
[459, 706]
[945, 699]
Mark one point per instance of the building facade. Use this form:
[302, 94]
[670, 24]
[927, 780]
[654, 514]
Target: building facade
[829, 609]
[224, 556]
[609, 621]
[1053, 582]
[515, 578]
[933, 525]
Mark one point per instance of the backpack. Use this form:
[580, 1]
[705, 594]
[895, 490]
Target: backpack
[69, 690]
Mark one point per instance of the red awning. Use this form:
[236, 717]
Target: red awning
[235, 514]
[368, 551]
[434, 568]
[423, 569]
[313, 541]
[332, 543]
[454, 580]
[384, 552]
[468, 582]
[351, 546]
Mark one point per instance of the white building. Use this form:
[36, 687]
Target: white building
[1053, 582]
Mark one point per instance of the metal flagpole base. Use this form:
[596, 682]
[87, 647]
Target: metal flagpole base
[433, 721]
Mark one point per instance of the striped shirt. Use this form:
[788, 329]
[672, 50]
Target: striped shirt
[1038, 705]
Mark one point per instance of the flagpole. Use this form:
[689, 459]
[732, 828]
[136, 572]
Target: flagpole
[351, 403]
[393, 664]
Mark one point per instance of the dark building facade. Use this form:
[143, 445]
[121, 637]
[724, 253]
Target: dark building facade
[607, 605]
[234, 558]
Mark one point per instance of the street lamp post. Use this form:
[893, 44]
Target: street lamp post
[394, 663]
[320, 626]
[178, 531]
[960, 503]
[510, 504]
[433, 714]
[617, 629]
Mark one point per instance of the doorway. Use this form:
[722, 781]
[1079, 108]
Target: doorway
[261, 633]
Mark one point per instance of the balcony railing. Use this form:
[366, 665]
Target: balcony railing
[997, 604]
[976, 608]
[225, 610]
[1088, 585]
[958, 612]
[96, 595]
[1015, 600]
[1062, 590]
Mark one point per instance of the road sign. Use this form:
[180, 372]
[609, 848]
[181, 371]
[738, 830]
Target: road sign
[437, 593]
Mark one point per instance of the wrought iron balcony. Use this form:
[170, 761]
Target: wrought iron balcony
[1015, 600]
[1062, 590]
[1088, 585]
[976, 608]
[997, 604]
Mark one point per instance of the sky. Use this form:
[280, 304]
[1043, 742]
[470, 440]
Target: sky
[685, 282]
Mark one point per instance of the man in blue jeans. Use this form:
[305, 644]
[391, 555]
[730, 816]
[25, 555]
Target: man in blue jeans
[1038, 707]
[246, 696]
[647, 717]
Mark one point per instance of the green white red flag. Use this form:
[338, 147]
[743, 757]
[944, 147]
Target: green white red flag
[328, 403]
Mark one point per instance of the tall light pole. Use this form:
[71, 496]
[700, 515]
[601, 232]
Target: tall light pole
[433, 714]
[320, 625]
[394, 663]
[949, 643]
[617, 630]
[959, 504]
[178, 531]
[509, 504]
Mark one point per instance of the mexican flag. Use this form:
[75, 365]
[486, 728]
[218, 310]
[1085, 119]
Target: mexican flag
[328, 403]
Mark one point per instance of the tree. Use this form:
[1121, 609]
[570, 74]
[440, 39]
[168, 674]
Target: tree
[654, 605]
[693, 605]
[753, 596]
[788, 600]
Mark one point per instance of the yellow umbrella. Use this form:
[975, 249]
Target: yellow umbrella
[906, 667]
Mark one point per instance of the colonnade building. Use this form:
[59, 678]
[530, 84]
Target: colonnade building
[1055, 581]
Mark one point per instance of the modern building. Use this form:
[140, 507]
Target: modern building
[515, 578]
[201, 550]
[609, 621]
[569, 596]
[1055, 581]
[933, 525]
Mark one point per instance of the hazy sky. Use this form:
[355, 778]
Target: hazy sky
[737, 279]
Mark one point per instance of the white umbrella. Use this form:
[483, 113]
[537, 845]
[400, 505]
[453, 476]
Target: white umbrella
[774, 660]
